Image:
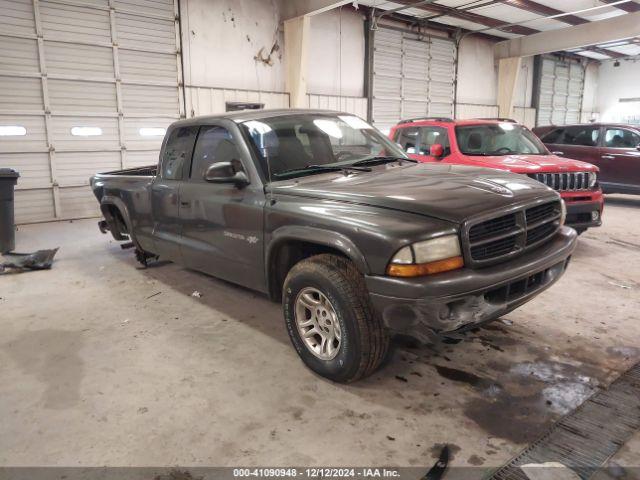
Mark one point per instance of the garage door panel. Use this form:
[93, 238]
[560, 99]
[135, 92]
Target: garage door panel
[150, 7]
[149, 99]
[146, 33]
[75, 23]
[141, 159]
[33, 205]
[22, 94]
[17, 17]
[33, 167]
[157, 67]
[64, 139]
[35, 138]
[561, 84]
[78, 202]
[420, 69]
[88, 61]
[440, 109]
[75, 168]
[145, 133]
[77, 96]
[79, 131]
[18, 55]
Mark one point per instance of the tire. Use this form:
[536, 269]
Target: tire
[363, 340]
[580, 230]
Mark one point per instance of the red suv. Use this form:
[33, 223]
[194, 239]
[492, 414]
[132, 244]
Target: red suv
[613, 148]
[506, 145]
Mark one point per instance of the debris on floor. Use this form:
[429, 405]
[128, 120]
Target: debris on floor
[549, 471]
[621, 285]
[21, 262]
[437, 471]
[196, 294]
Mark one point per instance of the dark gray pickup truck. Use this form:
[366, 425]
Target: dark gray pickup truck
[322, 212]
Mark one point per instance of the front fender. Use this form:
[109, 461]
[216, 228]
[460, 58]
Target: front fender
[319, 236]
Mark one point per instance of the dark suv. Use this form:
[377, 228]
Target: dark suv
[614, 148]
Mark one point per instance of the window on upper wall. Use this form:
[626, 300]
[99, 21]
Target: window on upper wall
[12, 131]
[86, 131]
[621, 138]
[152, 131]
[177, 151]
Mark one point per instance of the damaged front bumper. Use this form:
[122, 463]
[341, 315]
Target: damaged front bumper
[449, 301]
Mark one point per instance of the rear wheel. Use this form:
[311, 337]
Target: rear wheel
[330, 320]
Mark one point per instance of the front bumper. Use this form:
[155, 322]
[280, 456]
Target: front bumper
[583, 211]
[449, 301]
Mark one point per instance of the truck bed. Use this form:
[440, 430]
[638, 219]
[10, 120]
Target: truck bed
[146, 171]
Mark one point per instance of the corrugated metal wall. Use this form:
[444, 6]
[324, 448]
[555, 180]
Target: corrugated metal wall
[412, 76]
[87, 80]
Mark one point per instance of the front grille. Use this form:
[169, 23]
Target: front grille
[568, 181]
[497, 239]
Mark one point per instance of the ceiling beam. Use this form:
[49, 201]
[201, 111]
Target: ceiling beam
[602, 31]
[605, 51]
[469, 17]
[630, 7]
[298, 8]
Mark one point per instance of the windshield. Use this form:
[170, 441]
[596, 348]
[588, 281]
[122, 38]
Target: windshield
[498, 139]
[304, 144]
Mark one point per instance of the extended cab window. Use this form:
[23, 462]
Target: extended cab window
[177, 152]
[621, 138]
[586, 136]
[214, 145]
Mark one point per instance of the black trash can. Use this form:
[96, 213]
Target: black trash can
[8, 180]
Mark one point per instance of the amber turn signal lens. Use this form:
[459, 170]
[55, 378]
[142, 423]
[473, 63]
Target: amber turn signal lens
[421, 269]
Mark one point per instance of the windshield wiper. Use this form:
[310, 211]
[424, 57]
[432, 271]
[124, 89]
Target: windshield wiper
[381, 159]
[321, 168]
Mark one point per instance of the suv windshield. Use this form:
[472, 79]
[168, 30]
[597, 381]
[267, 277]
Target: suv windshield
[305, 144]
[498, 139]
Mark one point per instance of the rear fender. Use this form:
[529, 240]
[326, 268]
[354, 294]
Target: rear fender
[107, 203]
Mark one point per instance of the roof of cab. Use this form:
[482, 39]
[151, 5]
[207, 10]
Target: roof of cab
[246, 115]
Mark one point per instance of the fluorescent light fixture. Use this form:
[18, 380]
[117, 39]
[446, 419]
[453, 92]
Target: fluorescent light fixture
[329, 127]
[152, 131]
[12, 131]
[86, 131]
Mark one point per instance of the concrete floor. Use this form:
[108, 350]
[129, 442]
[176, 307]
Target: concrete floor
[104, 363]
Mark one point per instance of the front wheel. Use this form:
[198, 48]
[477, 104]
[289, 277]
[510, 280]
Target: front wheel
[330, 320]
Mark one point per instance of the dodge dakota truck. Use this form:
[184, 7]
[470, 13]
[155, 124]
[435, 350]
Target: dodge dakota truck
[322, 212]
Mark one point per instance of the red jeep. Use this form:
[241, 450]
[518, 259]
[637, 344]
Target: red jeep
[506, 145]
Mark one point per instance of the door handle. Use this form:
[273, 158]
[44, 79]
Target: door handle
[185, 204]
[608, 157]
[558, 153]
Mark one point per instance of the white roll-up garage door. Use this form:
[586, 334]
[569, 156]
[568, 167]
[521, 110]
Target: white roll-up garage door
[412, 76]
[85, 86]
[560, 88]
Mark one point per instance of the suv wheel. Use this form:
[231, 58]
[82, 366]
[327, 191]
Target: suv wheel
[330, 320]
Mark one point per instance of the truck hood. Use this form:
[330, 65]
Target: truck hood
[532, 163]
[447, 192]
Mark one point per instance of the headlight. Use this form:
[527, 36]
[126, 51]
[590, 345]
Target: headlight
[563, 212]
[592, 179]
[426, 258]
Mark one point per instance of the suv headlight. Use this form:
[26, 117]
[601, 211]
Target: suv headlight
[593, 178]
[426, 258]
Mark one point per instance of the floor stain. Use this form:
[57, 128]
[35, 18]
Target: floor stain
[51, 356]
[436, 449]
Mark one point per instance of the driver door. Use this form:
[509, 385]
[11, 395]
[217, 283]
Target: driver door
[222, 232]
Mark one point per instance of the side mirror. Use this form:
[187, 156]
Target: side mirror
[224, 172]
[436, 150]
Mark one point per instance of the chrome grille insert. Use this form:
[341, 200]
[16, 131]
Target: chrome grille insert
[492, 240]
[568, 181]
